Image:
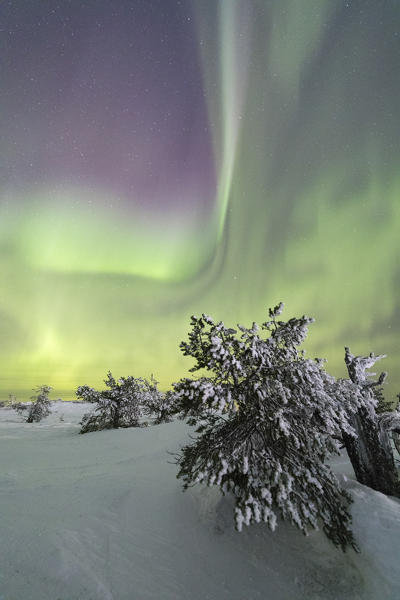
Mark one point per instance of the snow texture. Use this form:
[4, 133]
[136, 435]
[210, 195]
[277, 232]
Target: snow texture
[102, 517]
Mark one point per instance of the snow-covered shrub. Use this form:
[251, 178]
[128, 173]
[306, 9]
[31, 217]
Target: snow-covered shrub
[20, 407]
[267, 420]
[40, 407]
[123, 404]
[11, 402]
[160, 406]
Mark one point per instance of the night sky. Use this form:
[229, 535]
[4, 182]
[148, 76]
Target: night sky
[160, 158]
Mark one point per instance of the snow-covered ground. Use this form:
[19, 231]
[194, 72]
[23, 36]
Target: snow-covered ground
[101, 516]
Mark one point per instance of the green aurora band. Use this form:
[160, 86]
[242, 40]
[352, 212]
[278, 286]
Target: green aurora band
[307, 211]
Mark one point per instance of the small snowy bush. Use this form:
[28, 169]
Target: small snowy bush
[11, 402]
[123, 404]
[160, 406]
[267, 419]
[40, 407]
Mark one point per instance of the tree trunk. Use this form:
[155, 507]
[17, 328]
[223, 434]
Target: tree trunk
[371, 456]
[115, 420]
[370, 452]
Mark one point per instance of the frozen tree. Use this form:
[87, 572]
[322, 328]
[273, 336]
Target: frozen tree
[11, 402]
[370, 451]
[121, 405]
[38, 409]
[40, 406]
[391, 422]
[160, 406]
[267, 420]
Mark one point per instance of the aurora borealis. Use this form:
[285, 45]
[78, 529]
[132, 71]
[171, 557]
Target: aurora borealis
[160, 158]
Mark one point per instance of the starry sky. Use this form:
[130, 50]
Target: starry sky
[162, 158]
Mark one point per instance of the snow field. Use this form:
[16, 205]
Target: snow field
[101, 516]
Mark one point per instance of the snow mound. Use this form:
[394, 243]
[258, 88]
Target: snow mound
[101, 516]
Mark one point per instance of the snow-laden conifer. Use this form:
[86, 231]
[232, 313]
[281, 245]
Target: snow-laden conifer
[268, 419]
[40, 406]
[159, 405]
[123, 404]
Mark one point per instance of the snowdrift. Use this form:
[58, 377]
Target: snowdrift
[101, 516]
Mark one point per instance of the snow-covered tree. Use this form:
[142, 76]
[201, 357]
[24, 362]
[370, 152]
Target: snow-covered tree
[390, 421]
[123, 404]
[12, 402]
[40, 407]
[159, 405]
[267, 420]
[370, 451]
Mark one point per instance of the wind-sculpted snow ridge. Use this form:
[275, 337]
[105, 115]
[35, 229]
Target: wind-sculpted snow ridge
[102, 517]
